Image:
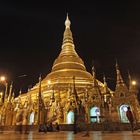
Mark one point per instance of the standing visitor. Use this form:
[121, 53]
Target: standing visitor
[130, 118]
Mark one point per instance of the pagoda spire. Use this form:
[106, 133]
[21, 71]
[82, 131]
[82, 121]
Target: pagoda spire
[29, 89]
[119, 81]
[67, 37]
[95, 83]
[41, 106]
[19, 97]
[6, 92]
[20, 92]
[67, 22]
[74, 89]
[39, 100]
[93, 72]
[40, 85]
[13, 96]
[10, 91]
[105, 85]
[104, 80]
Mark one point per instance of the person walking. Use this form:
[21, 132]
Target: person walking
[130, 118]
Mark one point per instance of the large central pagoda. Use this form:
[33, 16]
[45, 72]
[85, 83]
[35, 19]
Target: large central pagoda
[68, 72]
[66, 66]
[69, 64]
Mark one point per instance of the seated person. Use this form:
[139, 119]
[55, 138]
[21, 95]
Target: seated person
[50, 127]
[41, 129]
[57, 128]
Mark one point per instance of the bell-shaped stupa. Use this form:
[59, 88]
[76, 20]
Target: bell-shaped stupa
[68, 64]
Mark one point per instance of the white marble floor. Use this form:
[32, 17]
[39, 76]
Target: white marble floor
[96, 135]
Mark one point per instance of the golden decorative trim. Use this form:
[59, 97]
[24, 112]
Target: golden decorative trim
[68, 63]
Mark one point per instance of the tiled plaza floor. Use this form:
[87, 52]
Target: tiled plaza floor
[67, 135]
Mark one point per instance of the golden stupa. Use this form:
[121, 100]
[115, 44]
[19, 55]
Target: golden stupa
[66, 66]
[68, 71]
[69, 64]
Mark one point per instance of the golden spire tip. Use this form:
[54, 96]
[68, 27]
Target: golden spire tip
[67, 22]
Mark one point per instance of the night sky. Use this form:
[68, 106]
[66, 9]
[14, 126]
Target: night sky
[31, 38]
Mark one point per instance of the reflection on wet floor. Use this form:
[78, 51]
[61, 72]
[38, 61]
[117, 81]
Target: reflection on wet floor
[97, 136]
[30, 136]
[127, 137]
[70, 136]
[94, 135]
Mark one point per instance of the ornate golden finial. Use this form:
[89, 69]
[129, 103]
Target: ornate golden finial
[117, 66]
[20, 92]
[67, 22]
[106, 90]
[94, 77]
[93, 72]
[104, 79]
[40, 77]
[10, 91]
[28, 89]
[13, 96]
